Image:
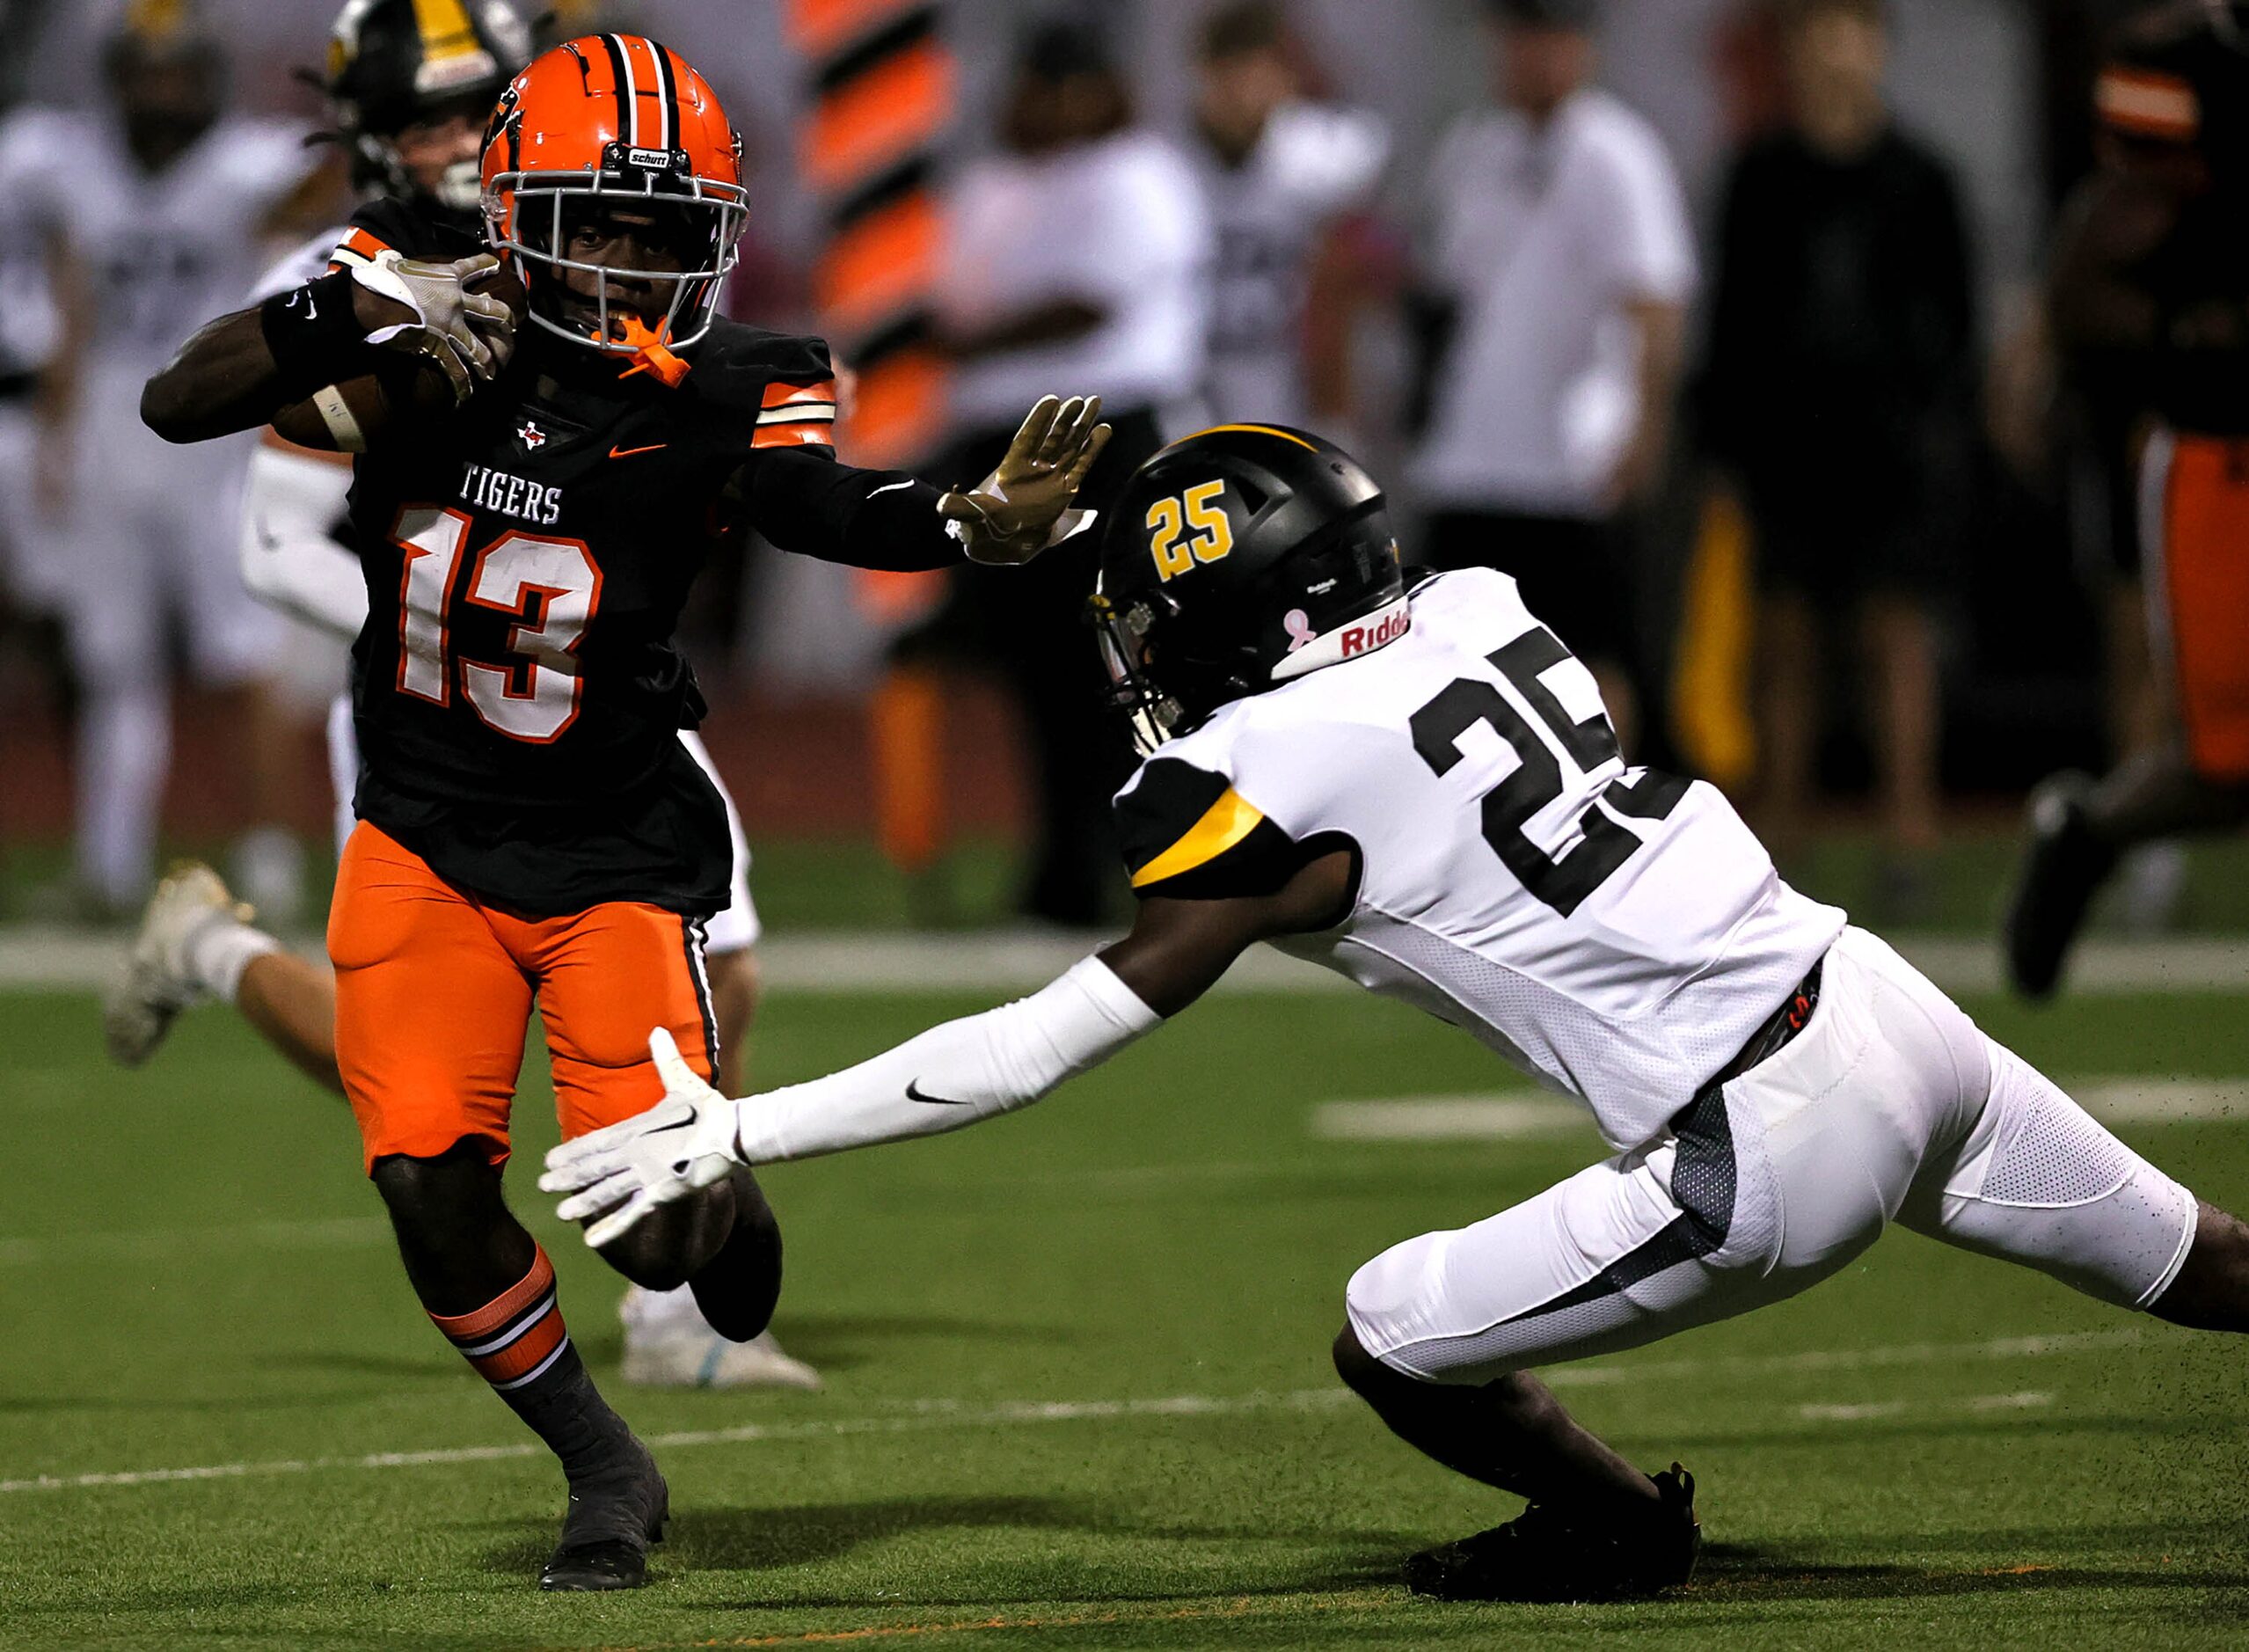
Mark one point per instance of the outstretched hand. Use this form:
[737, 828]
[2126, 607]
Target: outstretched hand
[684, 1143]
[1023, 507]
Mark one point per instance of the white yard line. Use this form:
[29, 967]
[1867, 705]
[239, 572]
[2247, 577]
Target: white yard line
[1504, 1116]
[2138, 1100]
[923, 1415]
[1881, 1410]
[1518, 1114]
[326, 1232]
[1019, 961]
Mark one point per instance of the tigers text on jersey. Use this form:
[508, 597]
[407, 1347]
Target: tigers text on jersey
[1617, 933]
[518, 694]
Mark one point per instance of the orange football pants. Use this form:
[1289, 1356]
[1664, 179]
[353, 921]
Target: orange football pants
[2197, 492]
[434, 988]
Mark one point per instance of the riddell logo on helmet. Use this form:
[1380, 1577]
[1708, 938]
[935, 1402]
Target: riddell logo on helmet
[1388, 629]
[1308, 650]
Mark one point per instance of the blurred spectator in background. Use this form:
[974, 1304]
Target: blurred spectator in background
[31, 586]
[2150, 303]
[1561, 267]
[152, 212]
[1839, 389]
[1278, 169]
[2072, 430]
[1077, 265]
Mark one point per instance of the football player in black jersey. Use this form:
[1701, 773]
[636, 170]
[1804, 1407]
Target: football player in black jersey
[2150, 306]
[531, 825]
[411, 85]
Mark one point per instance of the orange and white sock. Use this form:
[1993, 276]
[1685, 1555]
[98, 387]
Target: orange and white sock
[517, 1340]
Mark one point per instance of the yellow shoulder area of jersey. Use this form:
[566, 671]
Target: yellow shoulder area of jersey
[1224, 825]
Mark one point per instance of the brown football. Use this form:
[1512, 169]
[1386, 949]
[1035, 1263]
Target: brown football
[352, 417]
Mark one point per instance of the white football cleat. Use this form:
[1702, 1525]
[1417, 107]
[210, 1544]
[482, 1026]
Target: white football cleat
[154, 983]
[697, 1356]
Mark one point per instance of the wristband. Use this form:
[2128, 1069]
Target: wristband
[314, 335]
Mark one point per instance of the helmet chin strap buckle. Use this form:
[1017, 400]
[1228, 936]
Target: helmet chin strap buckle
[650, 355]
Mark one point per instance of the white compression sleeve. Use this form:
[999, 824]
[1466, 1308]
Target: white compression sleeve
[952, 1075]
[290, 559]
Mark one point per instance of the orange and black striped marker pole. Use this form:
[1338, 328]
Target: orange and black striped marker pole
[883, 85]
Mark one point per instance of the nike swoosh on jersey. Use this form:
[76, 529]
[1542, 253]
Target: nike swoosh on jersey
[626, 453]
[890, 487]
[914, 1093]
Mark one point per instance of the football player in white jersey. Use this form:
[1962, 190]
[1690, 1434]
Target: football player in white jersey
[413, 120]
[1278, 170]
[1418, 789]
[153, 210]
[30, 584]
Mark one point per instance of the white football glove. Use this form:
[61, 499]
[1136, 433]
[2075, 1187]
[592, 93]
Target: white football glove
[469, 336]
[684, 1143]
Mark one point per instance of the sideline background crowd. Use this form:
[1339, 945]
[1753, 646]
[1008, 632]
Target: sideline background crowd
[1717, 322]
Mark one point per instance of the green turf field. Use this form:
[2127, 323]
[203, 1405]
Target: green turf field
[1078, 1384]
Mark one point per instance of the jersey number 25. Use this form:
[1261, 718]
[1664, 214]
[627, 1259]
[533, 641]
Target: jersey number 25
[1536, 779]
[551, 586]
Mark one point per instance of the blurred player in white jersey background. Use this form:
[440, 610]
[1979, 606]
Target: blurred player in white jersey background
[1279, 170]
[151, 212]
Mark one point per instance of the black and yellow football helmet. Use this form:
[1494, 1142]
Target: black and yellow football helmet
[167, 72]
[394, 63]
[1236, 560]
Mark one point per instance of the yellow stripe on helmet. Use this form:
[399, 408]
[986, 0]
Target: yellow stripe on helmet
[157, 19]
[446, 31]
[1262, 430]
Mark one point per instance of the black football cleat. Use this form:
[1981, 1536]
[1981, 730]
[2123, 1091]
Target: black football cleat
[1546, 1555]
[615, 1515]
[2063, 867]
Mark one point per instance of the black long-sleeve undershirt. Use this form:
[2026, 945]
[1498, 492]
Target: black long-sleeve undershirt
[810, 504]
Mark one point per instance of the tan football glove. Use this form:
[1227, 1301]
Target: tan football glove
[1023, 507]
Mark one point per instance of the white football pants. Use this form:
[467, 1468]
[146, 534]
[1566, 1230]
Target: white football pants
[1889, 1107]
[150, 537]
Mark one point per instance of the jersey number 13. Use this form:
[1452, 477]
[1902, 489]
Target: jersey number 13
[551, 586]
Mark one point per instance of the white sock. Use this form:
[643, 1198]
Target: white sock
[219, 950]
[268, 867]
[655, 1312]
[124, 748]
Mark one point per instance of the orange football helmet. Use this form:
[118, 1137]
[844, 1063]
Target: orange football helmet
[615, 120]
